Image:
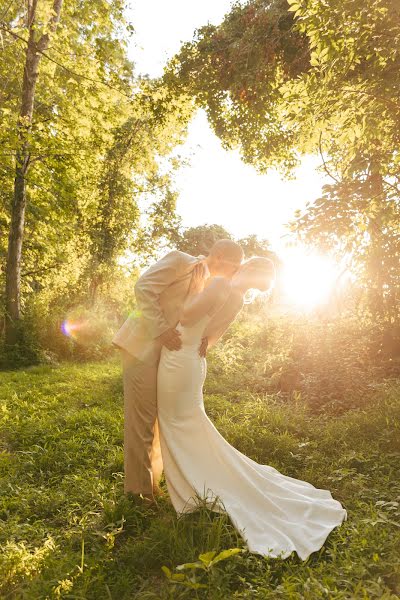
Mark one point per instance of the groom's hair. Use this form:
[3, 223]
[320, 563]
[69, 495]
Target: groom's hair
[228, 249]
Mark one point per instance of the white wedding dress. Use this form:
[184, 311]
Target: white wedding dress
[274, 513]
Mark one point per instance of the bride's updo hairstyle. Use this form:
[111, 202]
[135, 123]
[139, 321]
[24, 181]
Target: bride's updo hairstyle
[257, 275]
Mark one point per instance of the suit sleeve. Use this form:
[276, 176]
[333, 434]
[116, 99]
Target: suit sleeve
[149, 287]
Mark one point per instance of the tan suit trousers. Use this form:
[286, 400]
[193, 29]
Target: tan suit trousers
[142, 453]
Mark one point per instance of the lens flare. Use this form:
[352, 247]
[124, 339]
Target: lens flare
[71, 328]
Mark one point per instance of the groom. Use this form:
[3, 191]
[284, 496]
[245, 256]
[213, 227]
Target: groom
[160, 293]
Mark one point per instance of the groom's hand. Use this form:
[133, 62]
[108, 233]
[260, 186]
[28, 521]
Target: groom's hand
[171, 339]
[203, 346]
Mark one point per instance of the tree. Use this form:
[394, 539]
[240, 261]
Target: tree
[235, 71]
[282, 79]
[253, 246]
[71, 98]
[37, 44]
[198, 240]
[359, 219]
[137, 170]
[99, 142]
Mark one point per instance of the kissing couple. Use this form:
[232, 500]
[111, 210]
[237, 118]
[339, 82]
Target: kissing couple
[185, 304]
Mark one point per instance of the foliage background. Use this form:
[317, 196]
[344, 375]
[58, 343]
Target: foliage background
[316, 395]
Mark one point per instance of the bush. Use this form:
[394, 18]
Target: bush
[333, 365]
[62, 323]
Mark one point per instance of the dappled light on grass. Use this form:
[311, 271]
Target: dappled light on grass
[63, 469]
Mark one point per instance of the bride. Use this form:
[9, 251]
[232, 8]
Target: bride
[275, 514]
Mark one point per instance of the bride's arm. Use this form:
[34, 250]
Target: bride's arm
[222, 319]
[200, 303]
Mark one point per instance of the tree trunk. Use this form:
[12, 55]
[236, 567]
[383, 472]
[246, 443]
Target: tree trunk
[13, 270]
[375, 259]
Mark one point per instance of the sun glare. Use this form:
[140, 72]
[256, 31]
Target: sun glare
[307, 279]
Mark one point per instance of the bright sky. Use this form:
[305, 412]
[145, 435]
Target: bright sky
[217, 187]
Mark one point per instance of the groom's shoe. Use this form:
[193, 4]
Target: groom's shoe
[149, 500]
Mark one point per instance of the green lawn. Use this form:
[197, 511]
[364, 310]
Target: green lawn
[67, 531]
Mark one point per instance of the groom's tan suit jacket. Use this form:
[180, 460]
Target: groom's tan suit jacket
[160, 293]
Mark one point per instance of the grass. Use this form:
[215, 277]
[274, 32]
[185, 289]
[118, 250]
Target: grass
[67, 530]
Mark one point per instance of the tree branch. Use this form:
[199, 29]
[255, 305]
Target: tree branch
[27, 273]
[323, 160]
[70, 71]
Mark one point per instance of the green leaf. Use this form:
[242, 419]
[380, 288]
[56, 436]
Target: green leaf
[207, 557]
[178, 577]
[226, 554]
[166, 571]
